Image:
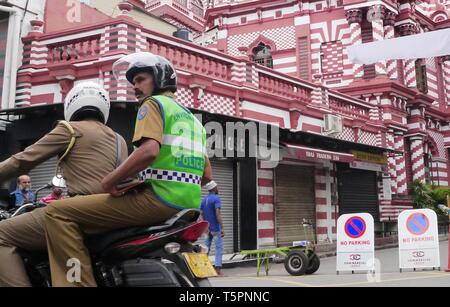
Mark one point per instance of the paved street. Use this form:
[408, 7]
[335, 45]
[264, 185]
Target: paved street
[326, 276]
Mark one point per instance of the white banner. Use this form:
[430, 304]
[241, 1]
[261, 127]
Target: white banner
[355, 243]
[418, 239]
[425, 45]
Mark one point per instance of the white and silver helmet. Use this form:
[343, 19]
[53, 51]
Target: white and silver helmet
[87, 97]
[58, 182]
[163, 72]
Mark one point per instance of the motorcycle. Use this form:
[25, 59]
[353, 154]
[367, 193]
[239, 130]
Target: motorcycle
[165, 255]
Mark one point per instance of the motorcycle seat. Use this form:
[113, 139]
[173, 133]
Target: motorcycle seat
[99, 242]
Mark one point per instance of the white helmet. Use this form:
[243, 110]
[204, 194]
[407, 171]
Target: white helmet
[58, 182]
[87, 97]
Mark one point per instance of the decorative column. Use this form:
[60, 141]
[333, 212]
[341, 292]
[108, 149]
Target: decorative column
[410, 66]
[354, 18]
[34, 53]
[417, 158]
[391, 161]
[376, 15]
[446, 73]
[125, 36]
[400, 165]
[389, 33]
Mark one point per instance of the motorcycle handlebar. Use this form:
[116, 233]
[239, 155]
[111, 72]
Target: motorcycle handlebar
[47, 186]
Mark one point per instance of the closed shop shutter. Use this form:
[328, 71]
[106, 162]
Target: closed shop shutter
[223, 175]
[43, 174]
[294, 201]
[358, 192]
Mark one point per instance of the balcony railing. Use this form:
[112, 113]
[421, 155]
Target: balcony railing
[349, 108]
[74, 50]
[191, 61]
[283, 88]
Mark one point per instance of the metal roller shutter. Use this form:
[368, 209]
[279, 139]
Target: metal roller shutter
[294, 201]
[223, 175]
[358, 192]
[43, 174]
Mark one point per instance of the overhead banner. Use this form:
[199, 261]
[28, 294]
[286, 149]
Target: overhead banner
[418, 239]
[355, 243]
[402, 48]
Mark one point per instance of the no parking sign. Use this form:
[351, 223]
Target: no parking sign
[355, 243]
[418, 239]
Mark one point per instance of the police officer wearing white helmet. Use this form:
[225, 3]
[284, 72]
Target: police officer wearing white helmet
[89, 150]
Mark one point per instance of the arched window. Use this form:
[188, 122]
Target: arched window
[263, 55]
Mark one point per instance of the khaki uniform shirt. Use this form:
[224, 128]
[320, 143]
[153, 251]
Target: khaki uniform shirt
[149, 123]
[93, 156]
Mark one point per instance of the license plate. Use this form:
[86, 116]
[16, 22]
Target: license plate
[200, 265]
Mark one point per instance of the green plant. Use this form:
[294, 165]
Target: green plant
[439, 194]
[426, 196]
[420, 194]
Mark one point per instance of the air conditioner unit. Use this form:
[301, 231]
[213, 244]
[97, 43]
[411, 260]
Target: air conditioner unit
[333, 124]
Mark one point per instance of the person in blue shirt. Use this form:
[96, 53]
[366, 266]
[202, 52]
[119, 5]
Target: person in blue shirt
[210, 209]
[23, 192]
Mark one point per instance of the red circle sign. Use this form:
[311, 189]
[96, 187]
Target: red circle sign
[417, 224]
[355, 227]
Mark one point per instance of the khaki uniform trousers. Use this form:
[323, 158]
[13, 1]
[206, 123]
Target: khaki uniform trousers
[61, 227]
[66, 221]
[26, 232]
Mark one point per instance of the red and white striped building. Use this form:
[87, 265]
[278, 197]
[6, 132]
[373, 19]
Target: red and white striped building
[400, 107]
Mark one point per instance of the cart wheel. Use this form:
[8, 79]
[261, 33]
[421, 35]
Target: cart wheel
[296, 263]
[313, 266]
